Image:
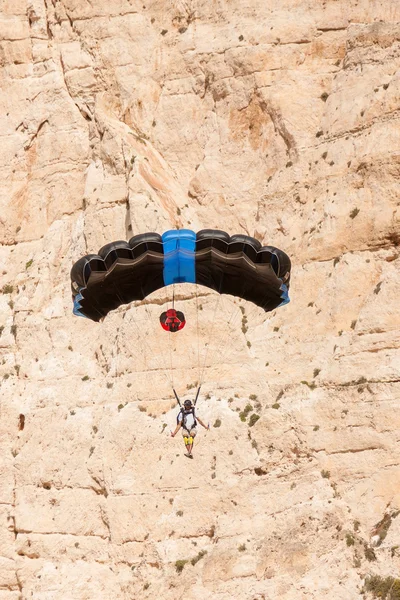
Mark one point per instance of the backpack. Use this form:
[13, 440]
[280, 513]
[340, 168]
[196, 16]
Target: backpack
[185, 415]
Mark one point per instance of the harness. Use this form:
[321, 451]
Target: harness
[185, 414]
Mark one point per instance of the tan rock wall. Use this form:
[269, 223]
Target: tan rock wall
[279, 120]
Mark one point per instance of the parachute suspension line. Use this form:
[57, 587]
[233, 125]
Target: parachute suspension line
[222, 347]
[211, 330]
[198, 335]
[225, 351]
[172, 339]
[169, 334]
[146, 345]
[209, 341]
[197, 395]
[151, 323]
[115, 344]
[170, 367]
[177, 397]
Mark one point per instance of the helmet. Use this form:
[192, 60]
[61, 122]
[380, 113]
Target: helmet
[187, 404]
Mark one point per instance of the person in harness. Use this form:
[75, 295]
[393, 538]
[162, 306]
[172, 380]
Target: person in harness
[172, 320]
[187, 420]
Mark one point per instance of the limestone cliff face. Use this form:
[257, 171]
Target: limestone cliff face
[276, 119]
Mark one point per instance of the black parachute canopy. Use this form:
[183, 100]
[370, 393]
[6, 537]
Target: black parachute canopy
[126, 271]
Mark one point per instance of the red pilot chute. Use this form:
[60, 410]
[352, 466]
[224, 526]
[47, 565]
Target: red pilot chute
[172, 320]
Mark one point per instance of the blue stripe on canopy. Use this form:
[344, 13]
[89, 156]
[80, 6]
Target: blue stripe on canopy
[179, 256]
[77, 306]
[284, 295]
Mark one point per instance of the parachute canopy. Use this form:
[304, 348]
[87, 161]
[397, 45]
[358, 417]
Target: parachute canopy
[122, 271]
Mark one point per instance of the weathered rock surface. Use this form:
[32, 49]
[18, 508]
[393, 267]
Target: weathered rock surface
[280, 120]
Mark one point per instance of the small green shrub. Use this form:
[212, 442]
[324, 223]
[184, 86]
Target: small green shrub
[179, 565]
[29, 263]
[242, 547]
[217, 423]
[354, 213]
[211, 533]
[200, 555]
[385, 588]
[369, 553]
[350, 541]
[179, 513]
[247, 409]
[85, 378]
[316, 427]
[325, 474]
[383, 526]
[311, 385]
[253, 419]
[7, 289]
